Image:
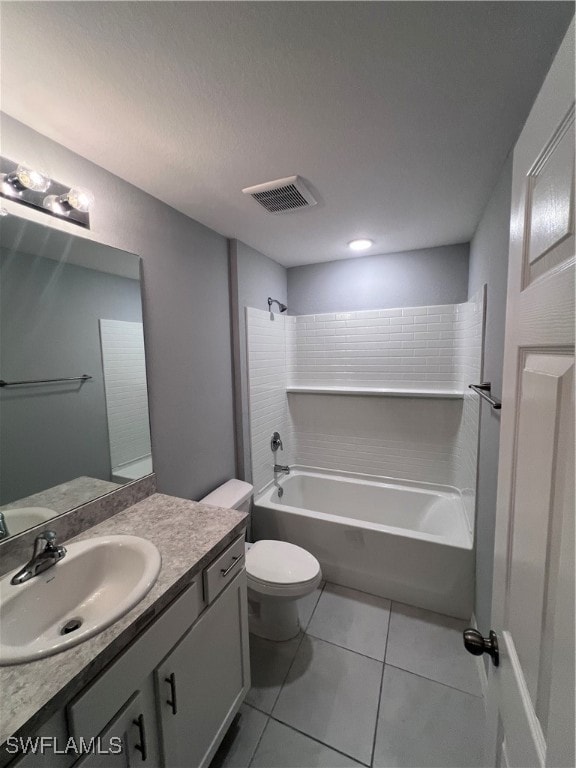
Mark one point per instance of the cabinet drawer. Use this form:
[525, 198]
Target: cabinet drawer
[223, 569]
[96, 705]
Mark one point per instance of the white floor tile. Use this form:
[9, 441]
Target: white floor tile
[282, 747]
[239, 744]
[269, 664]
[352, 619]
[307, 605]
[424, 723]
[332, 695]
[431, 645]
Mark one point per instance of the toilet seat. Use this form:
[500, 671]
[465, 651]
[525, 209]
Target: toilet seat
[283, 590]
[282, 569]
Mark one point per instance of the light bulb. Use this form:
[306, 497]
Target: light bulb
[25, 177]
[360, 245]
[78, 198]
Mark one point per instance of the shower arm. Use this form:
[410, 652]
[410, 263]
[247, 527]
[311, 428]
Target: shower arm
[281, 307]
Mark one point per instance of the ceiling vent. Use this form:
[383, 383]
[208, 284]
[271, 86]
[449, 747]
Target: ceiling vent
[282, 195]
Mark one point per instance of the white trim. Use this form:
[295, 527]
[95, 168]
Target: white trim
[481, 664]
[450, 394]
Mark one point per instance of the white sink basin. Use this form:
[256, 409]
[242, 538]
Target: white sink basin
[19, 519]
[97, 582]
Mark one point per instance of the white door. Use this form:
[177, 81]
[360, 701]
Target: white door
[531, 692]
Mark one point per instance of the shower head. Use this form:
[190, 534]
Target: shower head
[281, 307]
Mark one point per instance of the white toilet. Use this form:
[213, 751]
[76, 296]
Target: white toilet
[278, 573]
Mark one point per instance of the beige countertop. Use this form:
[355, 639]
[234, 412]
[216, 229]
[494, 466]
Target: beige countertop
[188, 535]
[66, 496]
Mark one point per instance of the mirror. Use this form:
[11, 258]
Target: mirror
[74, 419]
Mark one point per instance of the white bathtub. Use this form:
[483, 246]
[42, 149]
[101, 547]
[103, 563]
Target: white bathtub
[406, 541]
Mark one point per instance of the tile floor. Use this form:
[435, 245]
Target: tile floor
[367, 682]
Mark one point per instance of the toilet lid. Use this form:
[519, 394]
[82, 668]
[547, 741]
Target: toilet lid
[278, 562]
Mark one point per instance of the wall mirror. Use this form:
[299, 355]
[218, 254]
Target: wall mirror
[74, 421]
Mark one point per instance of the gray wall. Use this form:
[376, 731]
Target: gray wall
[489, 264]
[186, 314]
[49, 321]
[409, 279]
[253, 278]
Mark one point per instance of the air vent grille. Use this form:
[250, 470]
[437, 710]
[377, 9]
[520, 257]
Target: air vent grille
[282, 195]
[283, 199]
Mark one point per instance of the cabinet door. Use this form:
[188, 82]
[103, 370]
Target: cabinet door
[90, 712]
[131, 738]
[202, 682]
[54, 728]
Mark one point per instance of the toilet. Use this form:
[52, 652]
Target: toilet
[278, 573]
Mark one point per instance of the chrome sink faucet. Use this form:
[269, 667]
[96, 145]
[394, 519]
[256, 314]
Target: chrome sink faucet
[46, 554]
[3, 527]
[282, 468]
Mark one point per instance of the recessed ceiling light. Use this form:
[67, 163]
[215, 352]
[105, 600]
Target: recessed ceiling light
[360, 245]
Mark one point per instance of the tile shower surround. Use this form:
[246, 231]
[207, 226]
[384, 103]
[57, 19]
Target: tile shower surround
[411, 348]
[266, 334]
[430, 348]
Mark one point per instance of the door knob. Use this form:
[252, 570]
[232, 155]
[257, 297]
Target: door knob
[477, 645]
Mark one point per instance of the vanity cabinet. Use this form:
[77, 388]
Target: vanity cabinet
[170, 697]
[203, 681]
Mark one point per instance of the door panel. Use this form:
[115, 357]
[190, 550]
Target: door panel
[134, 727]
[550, 202]
[211, 677]
[541, 409]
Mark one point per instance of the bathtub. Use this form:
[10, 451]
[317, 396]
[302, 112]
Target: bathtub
[402, 540]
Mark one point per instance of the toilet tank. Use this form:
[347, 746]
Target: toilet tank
[235, 494]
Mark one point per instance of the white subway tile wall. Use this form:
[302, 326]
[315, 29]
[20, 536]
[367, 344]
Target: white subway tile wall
[410, 348]
[422, 348]
[405, 438]
[470, 328]
[126, 391]
[266, 356]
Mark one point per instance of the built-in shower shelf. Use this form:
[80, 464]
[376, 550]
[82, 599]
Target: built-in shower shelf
[446, 394]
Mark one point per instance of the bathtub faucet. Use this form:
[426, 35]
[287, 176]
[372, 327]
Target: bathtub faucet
[281, 468]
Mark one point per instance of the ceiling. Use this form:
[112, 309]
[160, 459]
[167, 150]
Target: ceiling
[398, 114]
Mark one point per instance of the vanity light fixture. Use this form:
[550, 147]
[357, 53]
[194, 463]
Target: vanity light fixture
[362, 244]
[23, 184]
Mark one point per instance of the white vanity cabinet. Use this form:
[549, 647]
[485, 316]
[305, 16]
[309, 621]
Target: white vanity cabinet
[203, 681]
[170, 697]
